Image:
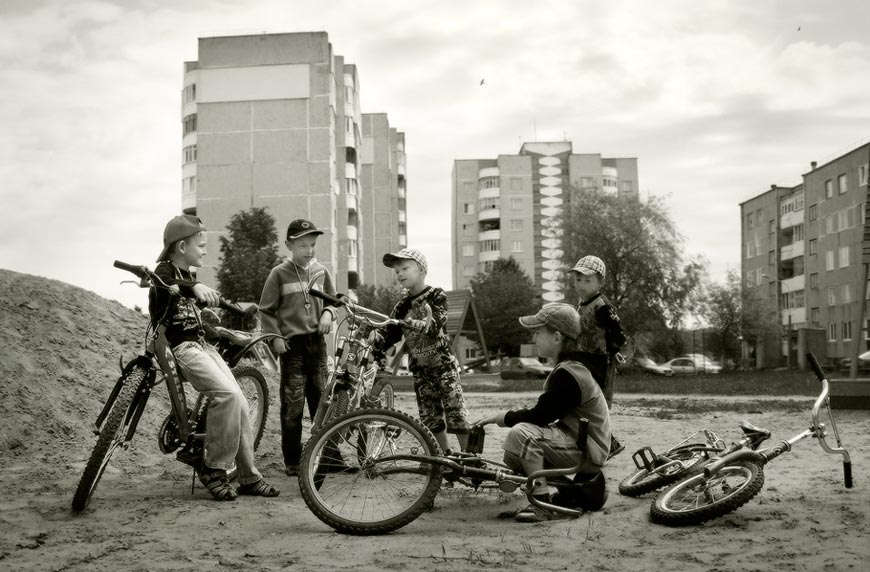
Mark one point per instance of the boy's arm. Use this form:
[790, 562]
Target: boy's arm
[561, 396]
[439, 313]
[391, 334]
[614, 337]
[270, 298]
[328, 288]
[167, 273]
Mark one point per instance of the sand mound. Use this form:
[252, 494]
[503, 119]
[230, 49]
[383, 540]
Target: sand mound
[59, 352]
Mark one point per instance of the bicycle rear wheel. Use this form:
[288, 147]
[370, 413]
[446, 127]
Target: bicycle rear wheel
[698, 499]
[111, 436]
[640, 482]
[351, 479]
[256, 391]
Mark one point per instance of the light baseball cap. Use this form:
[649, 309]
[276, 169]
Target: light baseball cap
[406, 254]
[590, 265]
[180, 227]
[557, 315]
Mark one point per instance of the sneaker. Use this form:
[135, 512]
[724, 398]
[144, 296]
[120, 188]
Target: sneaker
[534, 514]
[616, 447]
[291, 470]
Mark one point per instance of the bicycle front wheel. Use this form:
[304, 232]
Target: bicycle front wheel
[382, 394]
[111, 436]
[366, 473]
[256, 391]
[640, 482]
[698, 499]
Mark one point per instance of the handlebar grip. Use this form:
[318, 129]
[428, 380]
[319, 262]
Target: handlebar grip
[814, 364]
[137, 270]
[847, 473]
[234, 308]
[324, 296]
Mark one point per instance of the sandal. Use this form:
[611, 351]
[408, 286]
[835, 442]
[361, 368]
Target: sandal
[215, 480]
[259, 488]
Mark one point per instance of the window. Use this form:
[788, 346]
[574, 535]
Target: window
[516, 224]
[847, 294]
[844, 256]
[771, 227]
[189, 93]
[771, 257]
[352, 248]
[832, 332]
[468, 250]
[348, 124]
[814, 212]
[189, 154]
[829, 260]
[798, 233]
[799, 299]
[626, 186]
[841, 184]
[862, 174]
[516, 246]
[466, 230]
[832, 296]
[587, 182]
[749, 220]
[829, 189]
[771, 289]
[814, 315]
[489, 245]
[814, 280]
[468, 270]
[189, 123]
[489, 183]
[488, 203]
[847, 331]
[814, 246]
[467, 208]
[516, 204]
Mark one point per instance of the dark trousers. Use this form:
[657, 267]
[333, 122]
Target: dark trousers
[303, 376]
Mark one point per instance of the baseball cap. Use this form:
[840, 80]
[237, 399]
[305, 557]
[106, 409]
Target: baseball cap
[406, 254]
[301, 227]
[590, 265]
[178, 228]
[558, 315]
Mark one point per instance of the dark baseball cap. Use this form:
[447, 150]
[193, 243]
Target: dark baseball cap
[301, 227]
[180, 227]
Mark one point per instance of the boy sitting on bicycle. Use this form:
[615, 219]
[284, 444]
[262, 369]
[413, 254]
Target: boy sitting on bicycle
[546, 434]
[435, 369]
[229, 439]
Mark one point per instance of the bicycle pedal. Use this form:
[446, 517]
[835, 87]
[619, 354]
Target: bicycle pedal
[644, 458]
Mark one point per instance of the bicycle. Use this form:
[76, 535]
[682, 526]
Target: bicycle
[736, 475]
[353, 381]
[375, 470]
[184, 427]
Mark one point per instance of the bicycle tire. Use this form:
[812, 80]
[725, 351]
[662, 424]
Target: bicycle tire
[382, 394]
[641, 481]
[694, 500]
[256, 391]
[339, 406]
[378, 494]
[111, 436]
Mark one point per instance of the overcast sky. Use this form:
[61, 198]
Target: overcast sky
[717, 100]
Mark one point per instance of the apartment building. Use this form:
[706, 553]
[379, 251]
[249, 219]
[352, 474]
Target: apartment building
[802, 246]
[501, 208]
[274, 120]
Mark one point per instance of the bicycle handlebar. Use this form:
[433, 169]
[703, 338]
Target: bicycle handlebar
[373, 317]
[146, 275]
[326, 297]
[814, 365]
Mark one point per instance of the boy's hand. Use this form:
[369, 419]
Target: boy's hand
[325, 323]
[416, 325]
[206, 295]
[486, 421]
[279, 346]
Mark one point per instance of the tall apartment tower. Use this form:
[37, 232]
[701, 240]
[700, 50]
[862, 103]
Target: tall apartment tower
[803, 247]
[274, 121]
[501, 208]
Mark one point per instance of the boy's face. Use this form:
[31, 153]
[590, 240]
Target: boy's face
[302, 248]
[586, 284]
[409, 274]
[191, 250]
[546, 342]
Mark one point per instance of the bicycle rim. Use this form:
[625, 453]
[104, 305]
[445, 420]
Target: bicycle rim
[692, 458]
[350, 482]
[111, 436]
[382, 394]
[698, 499]
[256, 392]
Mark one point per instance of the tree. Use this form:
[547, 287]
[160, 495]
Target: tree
[381, 298]
[501, 296]
[724, 311]
[648, 279]
[248, 255]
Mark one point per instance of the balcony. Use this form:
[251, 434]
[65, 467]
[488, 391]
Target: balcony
[792, 250]
[794, 284]
[400, 169]
[489, 256]
[791, 219]
[349, 139]
[403, 240]
[489, 214]
[352, 202]
[188, 200]
[488, 172]
[489, 235]
[349, 171]
[352, 263]
[489, 193]
[352, 232]
[798, 317]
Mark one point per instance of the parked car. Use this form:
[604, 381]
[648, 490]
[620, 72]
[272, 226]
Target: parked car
[863, 362]
[647, 365]
[692, 364]
[523, 368]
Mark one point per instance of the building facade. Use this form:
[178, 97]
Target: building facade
[802, 246]
[274, 121]
[502, 208]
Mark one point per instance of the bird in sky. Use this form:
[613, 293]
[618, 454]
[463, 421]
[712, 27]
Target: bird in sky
[799, 28]
[482, 81]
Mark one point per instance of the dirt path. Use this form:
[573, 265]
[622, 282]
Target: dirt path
[144, 518]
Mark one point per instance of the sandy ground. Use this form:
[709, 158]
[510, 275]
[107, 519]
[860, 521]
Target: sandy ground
[143, 516]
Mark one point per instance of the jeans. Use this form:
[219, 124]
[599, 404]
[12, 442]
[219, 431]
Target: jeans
[303, 377]
[228, 436]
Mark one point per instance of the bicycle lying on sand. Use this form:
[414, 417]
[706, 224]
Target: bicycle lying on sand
[372, 471]
[183, 430]
[353, 381]
[710, 480]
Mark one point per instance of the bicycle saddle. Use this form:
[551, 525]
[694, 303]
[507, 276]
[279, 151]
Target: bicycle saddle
[233, 336]
[757, 434]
